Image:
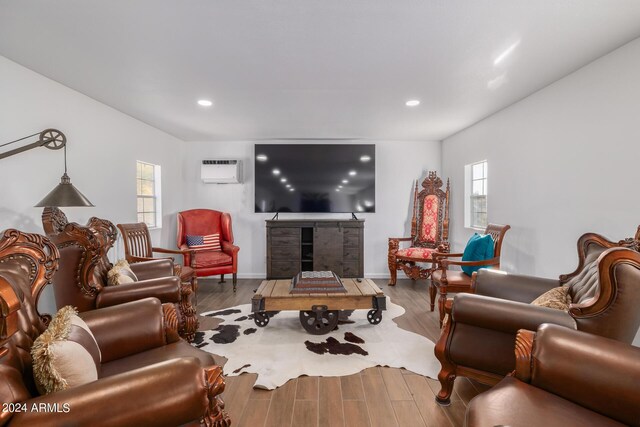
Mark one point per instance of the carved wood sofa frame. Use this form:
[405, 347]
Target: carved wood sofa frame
[95, 240]
[41, 256]
[585, 312]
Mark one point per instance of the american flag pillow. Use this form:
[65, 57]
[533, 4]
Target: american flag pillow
[210, 242]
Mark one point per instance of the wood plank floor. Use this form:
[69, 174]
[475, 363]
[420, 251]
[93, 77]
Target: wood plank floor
[377, 396]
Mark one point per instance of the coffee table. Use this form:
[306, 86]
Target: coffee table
[318, 311]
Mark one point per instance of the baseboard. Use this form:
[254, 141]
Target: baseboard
[376, 275]
[252, 275]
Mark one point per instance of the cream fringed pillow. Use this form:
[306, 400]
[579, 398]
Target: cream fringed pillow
[557, 298]
[121, 273]
[66, 354]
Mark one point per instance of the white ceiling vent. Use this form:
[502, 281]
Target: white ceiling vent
[221, 171]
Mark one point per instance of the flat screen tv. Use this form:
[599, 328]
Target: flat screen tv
[315, 178]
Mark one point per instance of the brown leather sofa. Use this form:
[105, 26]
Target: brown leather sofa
[564, 378]
[148, 376]
[81, 279]
[479, 331]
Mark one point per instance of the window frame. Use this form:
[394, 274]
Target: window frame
[469, 198]
[156, 196]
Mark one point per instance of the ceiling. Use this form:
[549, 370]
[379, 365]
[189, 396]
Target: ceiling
[311, 69]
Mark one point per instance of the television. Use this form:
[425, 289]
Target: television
[315, 178]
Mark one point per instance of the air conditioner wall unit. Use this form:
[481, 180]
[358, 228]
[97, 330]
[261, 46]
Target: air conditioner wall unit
[221, 171]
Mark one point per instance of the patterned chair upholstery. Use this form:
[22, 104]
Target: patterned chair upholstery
[429, 233]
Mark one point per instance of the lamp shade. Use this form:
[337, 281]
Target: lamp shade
[64, 195]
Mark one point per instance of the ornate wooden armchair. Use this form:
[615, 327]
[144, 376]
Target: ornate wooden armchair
[445, 280]
[429, 232]
[479, 330]
[137, 248]
[147, 374]
[81, 280]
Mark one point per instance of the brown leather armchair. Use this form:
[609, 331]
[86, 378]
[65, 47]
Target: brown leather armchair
[564, 378]
[148, 376]
[479, 330]
[81, 280]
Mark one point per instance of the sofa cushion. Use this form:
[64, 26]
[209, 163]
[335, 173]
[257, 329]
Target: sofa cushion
[212, 259]
[419, 254]
[66, 354]
[155, 355]
[121, 273]
[557, 298]
[479, 247]
[517, 404]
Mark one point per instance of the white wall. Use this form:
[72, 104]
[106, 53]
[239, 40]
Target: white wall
[397, 165]
[102, 148]
[562, 162]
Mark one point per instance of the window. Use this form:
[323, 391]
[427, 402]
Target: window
[149, 200]
[476, 195]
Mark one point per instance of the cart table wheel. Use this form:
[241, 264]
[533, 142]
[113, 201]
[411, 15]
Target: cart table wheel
[261, 318]
[319, 321]
[374, 316]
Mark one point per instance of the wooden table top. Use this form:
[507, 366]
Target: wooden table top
[277, 297]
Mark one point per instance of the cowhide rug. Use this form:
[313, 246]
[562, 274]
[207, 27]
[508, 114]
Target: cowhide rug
[284, 350]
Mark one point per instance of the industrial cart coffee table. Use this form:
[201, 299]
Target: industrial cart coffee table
[318, 311]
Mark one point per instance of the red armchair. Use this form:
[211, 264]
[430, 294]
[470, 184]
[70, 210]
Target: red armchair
[202, 222]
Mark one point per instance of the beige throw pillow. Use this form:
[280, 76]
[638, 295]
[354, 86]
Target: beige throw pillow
[121, 273]
[557, 298]
[66, 354]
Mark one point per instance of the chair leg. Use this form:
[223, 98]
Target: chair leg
[222, 279]
[235, 281]
[194, 284]
[394, 275]
[447, 374]
[442, 300]
[433, 291]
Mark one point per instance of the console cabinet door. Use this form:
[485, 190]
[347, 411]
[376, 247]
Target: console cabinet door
[328, 249]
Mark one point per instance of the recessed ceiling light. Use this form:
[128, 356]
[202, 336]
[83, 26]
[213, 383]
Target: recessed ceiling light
[339, 186]
[288, 185]
[276, 171]
[205, 103]
[291, 189]
[345, 181]
[352, 173]
[261, 157]
[368, 203]
[337, 189]
[412, 103]
[365, 158]
[283, 179]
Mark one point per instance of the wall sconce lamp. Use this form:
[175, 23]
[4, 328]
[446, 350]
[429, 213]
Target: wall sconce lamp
[64, 194]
